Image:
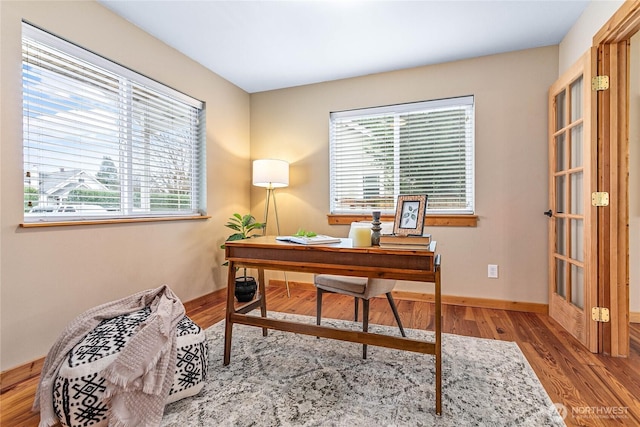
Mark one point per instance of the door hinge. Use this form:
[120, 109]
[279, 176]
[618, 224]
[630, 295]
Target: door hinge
[600, 314]
[600, 198]
[600, 83]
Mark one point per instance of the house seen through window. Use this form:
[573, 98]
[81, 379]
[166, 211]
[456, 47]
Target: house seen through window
[100, 140]
[419, 148]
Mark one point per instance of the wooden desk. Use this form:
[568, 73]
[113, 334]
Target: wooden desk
[266, 253]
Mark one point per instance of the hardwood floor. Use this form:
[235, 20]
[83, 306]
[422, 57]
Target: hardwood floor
[596, 390]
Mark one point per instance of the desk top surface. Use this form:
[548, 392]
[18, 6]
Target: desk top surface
[335, 258]
[345, 245]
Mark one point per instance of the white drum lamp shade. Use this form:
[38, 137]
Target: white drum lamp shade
[270, 173]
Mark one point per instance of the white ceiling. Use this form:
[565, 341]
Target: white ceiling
[264, 45]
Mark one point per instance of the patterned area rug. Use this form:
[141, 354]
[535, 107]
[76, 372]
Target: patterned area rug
[286, 379]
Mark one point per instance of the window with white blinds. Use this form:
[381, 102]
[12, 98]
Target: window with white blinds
[419, 148]
[102, 141]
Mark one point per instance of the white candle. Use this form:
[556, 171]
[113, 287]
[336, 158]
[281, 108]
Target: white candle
[361, 237]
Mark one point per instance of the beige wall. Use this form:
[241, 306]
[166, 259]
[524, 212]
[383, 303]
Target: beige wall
[50, 275]
[580, 37]
[511, 162]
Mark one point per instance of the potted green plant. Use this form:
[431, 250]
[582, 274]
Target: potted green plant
[244, 226]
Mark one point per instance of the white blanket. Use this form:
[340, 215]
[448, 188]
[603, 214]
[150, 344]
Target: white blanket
[139, 380]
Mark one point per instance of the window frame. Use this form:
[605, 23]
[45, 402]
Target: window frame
[194, 157]
[435, 216]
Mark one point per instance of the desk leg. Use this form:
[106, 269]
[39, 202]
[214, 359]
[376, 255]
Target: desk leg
[263, 298]
[438, 301]
[228, 326]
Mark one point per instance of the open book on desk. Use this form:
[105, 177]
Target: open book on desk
[318, 239]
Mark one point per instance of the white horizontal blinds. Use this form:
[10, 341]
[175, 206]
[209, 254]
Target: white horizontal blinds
[70, 123]
[362, 163]
[419, 148]
[436, 157]
[101, 139]
[163, 154]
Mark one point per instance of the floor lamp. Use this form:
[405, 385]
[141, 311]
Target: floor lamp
[271, 174]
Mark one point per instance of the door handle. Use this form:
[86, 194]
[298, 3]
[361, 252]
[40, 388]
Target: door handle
[549, 213]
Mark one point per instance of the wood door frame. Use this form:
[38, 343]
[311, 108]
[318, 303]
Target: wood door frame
[612, 42]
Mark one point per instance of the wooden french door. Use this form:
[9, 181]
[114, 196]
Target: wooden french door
[572, 179]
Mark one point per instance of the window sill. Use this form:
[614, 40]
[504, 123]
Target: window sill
[109, 221]
[429, 220]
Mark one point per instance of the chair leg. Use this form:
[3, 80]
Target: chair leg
[355, 317]
[365, 324]
[318, 306]
[395, 312]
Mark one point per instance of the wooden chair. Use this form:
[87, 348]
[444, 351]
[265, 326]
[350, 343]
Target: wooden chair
[360, 288]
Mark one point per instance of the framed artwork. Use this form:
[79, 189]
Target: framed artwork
[409, 219]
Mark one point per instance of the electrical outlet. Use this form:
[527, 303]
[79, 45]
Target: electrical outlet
[492, 271]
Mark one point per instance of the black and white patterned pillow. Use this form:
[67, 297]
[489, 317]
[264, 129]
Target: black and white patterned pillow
[79, 386]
